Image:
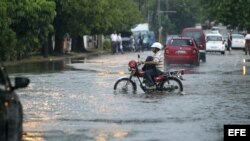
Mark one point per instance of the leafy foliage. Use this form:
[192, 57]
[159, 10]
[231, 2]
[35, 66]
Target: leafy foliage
[99, 16]
[234, 13]
[89, 17]
[25, 25]
[31, 21]
[7, 39]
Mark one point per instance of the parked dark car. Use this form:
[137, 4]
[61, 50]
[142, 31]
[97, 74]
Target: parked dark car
[181, 50]
[11, 113]
[199, 36]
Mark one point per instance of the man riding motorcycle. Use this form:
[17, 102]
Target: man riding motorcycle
[150, 77]
[153, 66]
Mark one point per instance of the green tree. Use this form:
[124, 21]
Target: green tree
[31, 21]
[186, 14]
[124, 14]
[8, 38]
[233, 13]
[27, 25]
[89, 17]
[172, 15]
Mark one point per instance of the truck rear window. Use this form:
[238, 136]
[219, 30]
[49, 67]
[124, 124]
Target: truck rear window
[195, 35]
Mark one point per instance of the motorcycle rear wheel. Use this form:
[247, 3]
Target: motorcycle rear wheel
[172, 85]
[125, 85]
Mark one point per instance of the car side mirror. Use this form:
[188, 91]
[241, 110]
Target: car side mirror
[21, 82]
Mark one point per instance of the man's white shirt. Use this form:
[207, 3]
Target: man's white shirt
[158, 57]
[247, 37]
[114, 37]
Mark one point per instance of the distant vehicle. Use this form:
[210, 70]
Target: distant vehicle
[215, 43]
[142, 30]
[169, 37]
[182, 50]
[11, 112]
[238, 41]
[151, 38]
[221, 29]
[126, 44]
[199, 36]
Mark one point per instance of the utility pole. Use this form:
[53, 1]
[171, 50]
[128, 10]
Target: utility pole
[167, 5]
[159, 21]
[159, 12]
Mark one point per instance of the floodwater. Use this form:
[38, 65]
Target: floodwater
[73, 100]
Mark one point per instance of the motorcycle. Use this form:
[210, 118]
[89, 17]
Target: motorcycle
[169, 81]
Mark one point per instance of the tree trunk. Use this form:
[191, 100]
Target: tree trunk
[80, 44]
[74, 43]
[58, 25]
[45, 49]
[58, 41]
[50, 43]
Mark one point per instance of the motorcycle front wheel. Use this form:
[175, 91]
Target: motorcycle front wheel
[125, 85]
[172, 85]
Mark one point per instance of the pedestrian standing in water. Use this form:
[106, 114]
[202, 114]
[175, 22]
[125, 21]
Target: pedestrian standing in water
[247, 43]
[132, 42]
[229, 42]
[119, 43]
[113, 42]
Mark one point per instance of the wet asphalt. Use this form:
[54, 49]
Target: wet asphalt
[74, 100]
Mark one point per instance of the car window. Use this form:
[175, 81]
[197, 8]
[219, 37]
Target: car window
[181, 42]
[169, 37]
[238, 36]
[214, 38]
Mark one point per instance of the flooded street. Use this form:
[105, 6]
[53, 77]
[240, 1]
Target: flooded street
[73, 100]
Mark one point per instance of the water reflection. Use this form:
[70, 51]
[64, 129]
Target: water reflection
[32, 137]
[244, 70]
[245, 65]
[48, 66]
[105, 135]
[38, 67]
[81, 105]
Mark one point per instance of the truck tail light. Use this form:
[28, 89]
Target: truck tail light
[194, 51]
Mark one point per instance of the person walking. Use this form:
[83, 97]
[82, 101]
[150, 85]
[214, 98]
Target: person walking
[229, 42]
[132, 42]
[247, 43]
[140, 42]
[119, 43]
[113, 42]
